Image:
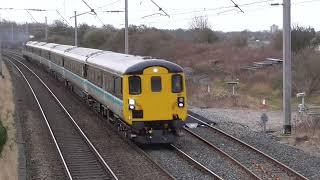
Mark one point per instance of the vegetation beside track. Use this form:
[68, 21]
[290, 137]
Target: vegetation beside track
[3, 135]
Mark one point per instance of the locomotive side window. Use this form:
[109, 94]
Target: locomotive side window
[156, 85]
[118, 86]
[108, 82]
[177, 85]
[134, 85]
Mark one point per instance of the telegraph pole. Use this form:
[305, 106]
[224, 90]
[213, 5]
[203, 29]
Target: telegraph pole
[11, 32]
[287, 66]
[126, 38]
[46, 29]
[75, 29]
[27, 31]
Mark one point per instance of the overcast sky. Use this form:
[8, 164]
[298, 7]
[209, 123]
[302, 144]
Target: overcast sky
[257, 16]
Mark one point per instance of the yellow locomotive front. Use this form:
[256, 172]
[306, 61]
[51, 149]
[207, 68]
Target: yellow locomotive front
[154, 102]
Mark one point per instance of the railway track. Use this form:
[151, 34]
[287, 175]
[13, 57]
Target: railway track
[266, 168]
[196, 163]
[179, 163]
[253, 160]
[79, 157]
[132, 145]
[247, 173]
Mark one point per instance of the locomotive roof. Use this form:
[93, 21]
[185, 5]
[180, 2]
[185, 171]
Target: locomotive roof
[129, 64]
[107, 60]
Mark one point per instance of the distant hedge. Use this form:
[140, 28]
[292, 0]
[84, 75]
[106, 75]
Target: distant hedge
[3, 136]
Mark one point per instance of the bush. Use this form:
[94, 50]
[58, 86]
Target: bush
[240, 39]
[301, 38]
[3, 136]
[95, 38]
[306, 74]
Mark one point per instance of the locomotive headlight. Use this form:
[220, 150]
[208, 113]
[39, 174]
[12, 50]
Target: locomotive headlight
[132, 104]
[155, 70]
[131, 107]
[180, 102]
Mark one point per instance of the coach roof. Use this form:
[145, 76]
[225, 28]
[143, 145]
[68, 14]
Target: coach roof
[107, 60]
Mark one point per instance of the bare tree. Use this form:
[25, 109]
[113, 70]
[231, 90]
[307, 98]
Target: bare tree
[200, 23]
[202, 32]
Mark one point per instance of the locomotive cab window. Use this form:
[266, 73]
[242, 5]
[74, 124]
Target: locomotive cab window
[156, 85]
[134, 85]
[177, 85]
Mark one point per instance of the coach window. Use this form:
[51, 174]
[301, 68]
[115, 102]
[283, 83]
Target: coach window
[177, 85]
[134, 85]
[156, 85]
[99, 78]
[118, 86]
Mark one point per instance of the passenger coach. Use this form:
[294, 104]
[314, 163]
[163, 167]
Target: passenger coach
[144, 98]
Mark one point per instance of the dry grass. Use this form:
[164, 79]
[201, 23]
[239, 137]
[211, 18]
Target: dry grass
[306, 134]
[221, 62]
[261, 88]
[230, 58]
[9, 156]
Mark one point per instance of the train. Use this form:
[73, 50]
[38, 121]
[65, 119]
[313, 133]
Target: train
[143, 97]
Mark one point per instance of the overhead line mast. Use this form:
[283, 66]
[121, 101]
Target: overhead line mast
[287, 71]
[126, 33]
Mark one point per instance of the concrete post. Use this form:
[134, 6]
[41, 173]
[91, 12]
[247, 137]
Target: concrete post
[75, 29]
[46, 29]
[286, 67]
[126, 34]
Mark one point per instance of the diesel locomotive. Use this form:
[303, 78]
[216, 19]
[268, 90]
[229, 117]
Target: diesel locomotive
[144, 98]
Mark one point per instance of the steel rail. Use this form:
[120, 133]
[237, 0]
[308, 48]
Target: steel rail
[251, 147]
[252, 174]
[46, 120]
[138, 149]
[72, 120]
[196, 162]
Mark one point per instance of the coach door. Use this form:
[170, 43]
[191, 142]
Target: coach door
[156, 94]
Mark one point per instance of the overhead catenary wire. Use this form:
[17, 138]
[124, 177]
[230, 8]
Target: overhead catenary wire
[224, 12]
[160, 8]
[184, 12]
[113, 11]
[29, 9]
[93, 11]
[237, 6]
[62, 17]
[32, 16]
[230, 10]
[221, 8]
[153, 15]
[114, 2]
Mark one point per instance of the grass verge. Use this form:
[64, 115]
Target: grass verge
[3, 136]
